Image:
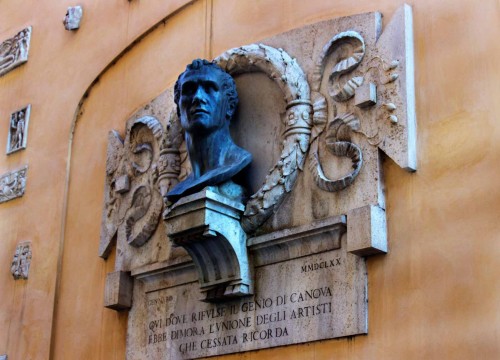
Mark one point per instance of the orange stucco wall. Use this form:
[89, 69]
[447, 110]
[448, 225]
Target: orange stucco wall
[434, 296]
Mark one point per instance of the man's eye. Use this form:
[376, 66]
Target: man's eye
[211, 87]
[187, 89]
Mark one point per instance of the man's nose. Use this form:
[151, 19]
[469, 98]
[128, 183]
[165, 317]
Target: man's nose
[199, 95]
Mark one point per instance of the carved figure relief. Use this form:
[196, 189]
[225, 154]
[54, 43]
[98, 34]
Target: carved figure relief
[73, 17]
[18, 130]
[21, 262]
[13, 184]
[14, 51]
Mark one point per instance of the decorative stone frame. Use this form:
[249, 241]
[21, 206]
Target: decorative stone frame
[360, 103]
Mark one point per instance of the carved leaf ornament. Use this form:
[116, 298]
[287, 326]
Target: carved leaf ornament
[290, 78]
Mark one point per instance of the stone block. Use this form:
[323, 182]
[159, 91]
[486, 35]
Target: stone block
[73, 17]
[366, 231]
[118, 292]
[366, 95]
[122, 184]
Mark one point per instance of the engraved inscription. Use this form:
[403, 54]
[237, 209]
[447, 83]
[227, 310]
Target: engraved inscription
[321, 265]
[319, 307]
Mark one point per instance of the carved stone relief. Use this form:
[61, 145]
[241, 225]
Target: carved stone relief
[345, 92]
[73, 17]
[21, 262]
[133, 203]
[18, 130]
[14, 51]
[13, 184]
[290, 78]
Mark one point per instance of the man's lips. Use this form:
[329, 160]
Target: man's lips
[199, 111]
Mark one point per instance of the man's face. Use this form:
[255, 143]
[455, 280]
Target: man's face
[202, 103]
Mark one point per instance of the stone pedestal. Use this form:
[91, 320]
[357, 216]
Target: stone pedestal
[207, 225]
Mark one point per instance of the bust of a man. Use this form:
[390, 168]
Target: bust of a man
[206, 100]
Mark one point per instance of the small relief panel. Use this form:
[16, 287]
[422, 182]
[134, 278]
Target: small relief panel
[18, 130]
[14, 51]
[12, 184]
[21, 262]
[73, 17]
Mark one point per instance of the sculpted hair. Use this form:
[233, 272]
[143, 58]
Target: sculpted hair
[228, 85]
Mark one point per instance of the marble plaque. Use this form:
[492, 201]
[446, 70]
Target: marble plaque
[318, 296]
[316, 107]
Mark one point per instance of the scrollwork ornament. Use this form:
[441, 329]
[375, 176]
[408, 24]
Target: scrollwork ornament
[132, 204]
[342, 66]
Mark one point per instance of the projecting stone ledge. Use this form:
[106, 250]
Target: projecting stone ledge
[207, 225]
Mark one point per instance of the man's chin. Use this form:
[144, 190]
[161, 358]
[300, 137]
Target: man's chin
[199, 125]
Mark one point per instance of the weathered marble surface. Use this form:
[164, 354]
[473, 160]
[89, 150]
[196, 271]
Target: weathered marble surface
[319, 295]
[18, 130]
[21, 261]
[73, 17]
[13, 184]
[207, 225]
[14, 51]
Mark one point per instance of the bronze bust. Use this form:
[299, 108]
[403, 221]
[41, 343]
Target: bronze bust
[206, 100]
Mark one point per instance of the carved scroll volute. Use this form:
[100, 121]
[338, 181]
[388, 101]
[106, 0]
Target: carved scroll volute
[133, 202]
[142, 204]
[290, 78]
[338, 135]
